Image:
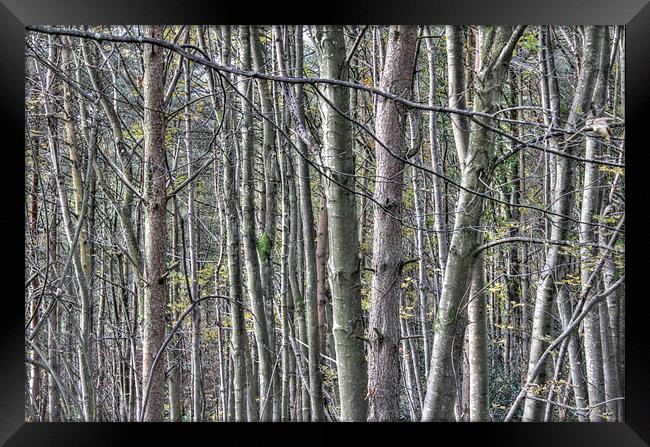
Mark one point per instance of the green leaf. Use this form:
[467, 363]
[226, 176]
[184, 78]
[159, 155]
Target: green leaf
[264, 247]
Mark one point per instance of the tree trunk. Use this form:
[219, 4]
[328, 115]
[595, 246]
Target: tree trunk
[321, 273]
[191, 249]
[343, 265]
[269, 156]
[255, 291]
[561, 207]
[154, 227]
[384, 329]
[173, 353]
[307, 216]
[496, 50]
[478, 368]
[587, 236]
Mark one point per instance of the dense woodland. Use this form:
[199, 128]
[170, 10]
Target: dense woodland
[324, 223]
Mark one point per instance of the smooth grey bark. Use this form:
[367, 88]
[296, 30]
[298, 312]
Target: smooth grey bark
[456, 99]
[174, 391]
[478, 365]
[461, 406]
[456, 82]
[458, 96]
[585, 305]
[309, 248]
[328, 345]
[321, 275]
[155, 207]
[286, 176]
[255, 292]
[53, 392]
[587, 235]
[415, 363]
[424, 288]
[343, 264]
[124, 334]
[612, 378]
[34, 371]
[562, 198]
[191, 249]
[408, 378]
[615, 408]
[75, 162]
[252, 384]
[302, 352]
[311, 306]
[384, 328]
[223, 348]
[496, 48]
[557, 369]
[269, 157]
[238, 341]
[173, 356]
[550, 93]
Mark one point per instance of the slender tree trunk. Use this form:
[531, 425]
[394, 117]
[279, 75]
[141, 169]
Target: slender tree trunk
[307, 216]
[255, 291]
[297, 306]
[424, 288]
[477, 325]
[408, 378]
[343, 265]
[561, 207]
[192, 254]
[238, 341]
[286, 176]
[496, 50]
[84, 249]
[154, 227]
[174, 354]
[457, 87]
[54, 407]
[321, 273]
[610, 354]
[34, 370]
[384, 330]
[269, 156]
[575, 356]
[587, 236]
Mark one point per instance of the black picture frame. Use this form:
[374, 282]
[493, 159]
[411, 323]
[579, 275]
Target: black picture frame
[16, 14]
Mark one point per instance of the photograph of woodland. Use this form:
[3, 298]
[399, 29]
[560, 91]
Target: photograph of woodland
[324, 223]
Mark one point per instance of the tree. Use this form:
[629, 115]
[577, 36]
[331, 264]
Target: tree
[387, 262]
[252, 245]
[154, 227]
[561, 204]
[354, 212]
[495, 52]
[343, 264]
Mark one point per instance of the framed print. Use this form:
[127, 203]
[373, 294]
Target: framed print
[359, 216]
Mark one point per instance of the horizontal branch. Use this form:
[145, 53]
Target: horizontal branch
[182, 50]
[536, 240]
